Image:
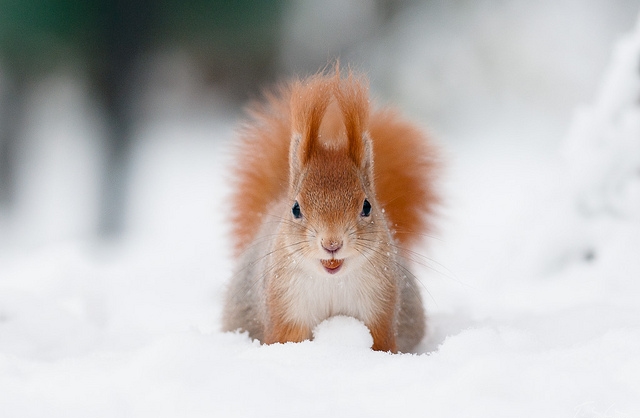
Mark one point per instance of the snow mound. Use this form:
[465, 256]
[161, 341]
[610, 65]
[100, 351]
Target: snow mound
[603, 147]
[343, 331]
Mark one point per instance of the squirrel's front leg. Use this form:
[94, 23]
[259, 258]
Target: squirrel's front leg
[279, 327]
[384, 336]
[279, 331]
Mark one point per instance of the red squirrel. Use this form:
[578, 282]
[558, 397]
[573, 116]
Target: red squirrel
[330, 197]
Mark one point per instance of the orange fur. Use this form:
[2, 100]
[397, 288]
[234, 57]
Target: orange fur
[405, 166]
[404, 162]
[261, 173]
[382, 329]
[383, 337]
[353, 100]
[282, 332]
[309, 101]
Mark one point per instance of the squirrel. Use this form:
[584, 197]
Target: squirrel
[329, 197]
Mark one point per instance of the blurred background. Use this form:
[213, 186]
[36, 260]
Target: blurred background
[115, 115]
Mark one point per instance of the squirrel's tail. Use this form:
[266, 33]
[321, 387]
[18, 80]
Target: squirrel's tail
[405, 165]
[260, 174]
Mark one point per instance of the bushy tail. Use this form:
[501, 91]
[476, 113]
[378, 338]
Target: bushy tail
[260, 174]
[405, 163]
[405, 166]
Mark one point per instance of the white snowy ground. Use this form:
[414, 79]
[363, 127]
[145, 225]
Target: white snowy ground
[533, 302]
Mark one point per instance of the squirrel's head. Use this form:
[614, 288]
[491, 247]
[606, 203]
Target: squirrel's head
[334, 212]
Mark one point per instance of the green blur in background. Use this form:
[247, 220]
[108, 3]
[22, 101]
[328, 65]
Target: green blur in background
[233, 43]
[234, 40]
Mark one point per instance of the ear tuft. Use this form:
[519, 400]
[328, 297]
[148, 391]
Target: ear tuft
[353, 99]
[309, 101]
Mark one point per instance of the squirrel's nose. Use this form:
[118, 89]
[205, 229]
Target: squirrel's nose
[331, 245]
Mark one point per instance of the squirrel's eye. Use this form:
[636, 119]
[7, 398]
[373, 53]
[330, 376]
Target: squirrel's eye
[296, 210]
[366, 208]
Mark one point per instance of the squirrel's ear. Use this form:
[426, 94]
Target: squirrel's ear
[295, 159]
[309, 101]
[353, 99]
[367, 161]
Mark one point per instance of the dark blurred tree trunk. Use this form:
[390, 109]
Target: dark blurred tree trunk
[125, 29]
[12, 107]
[235, 40]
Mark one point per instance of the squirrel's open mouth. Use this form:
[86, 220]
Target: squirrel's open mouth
[332, 266]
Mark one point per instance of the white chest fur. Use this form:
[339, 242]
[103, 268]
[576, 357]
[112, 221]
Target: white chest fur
[314, 296]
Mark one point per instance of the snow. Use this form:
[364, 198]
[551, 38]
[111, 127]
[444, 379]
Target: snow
[531, 287]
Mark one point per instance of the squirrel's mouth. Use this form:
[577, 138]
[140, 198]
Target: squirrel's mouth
[332, 266]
